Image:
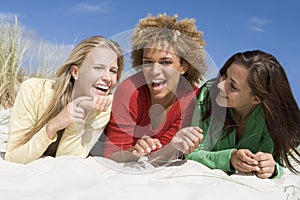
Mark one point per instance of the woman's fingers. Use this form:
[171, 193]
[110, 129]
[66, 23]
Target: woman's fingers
[100, 103]
[192, 136]
[147, 144]
[78, 100]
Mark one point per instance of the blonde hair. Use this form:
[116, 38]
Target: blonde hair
[182, 35]
[65, 82]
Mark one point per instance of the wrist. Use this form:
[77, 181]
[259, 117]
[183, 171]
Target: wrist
[275, 172]
[50, 130]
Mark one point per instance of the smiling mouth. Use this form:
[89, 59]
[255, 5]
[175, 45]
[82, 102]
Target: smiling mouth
[157, 85]
[101, 88]
[222, 95]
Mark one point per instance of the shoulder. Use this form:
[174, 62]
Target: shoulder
[203, 93]
[36, 86]
[37, 83]
[258, 114]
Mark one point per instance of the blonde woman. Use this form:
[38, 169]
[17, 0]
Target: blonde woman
[66, 116]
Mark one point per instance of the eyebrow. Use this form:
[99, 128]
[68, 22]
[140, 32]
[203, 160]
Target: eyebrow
[103, 65]
[162, 58]
[235, 82]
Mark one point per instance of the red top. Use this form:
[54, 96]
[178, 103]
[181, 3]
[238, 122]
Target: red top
[130, 114]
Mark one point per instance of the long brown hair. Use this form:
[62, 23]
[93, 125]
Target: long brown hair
[267, 80]
[64, 84]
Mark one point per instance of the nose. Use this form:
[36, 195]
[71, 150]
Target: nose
[221, 85]
[155, 69]
[105, 76]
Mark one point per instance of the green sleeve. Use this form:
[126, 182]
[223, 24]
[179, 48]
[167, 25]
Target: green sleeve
[212, 159]
[279, 171]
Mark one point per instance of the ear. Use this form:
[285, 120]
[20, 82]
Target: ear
[256, 100]
[74, 71]
[184, 68]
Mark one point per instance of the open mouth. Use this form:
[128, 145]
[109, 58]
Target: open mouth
[157, 85]
[102, 89]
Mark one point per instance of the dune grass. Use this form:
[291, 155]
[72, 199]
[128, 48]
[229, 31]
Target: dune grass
[11, 53]
[22, 56]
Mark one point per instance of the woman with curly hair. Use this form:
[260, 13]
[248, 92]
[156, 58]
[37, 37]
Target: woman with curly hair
[152, 107]
[249, 117]
[66, 116]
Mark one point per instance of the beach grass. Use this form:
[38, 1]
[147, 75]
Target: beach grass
[11, 54]
[22, 57]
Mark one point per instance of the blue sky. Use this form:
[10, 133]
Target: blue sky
[229, 26]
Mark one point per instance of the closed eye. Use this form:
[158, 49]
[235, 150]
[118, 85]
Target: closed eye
[114, 70]
[99, 67]
[232, 86]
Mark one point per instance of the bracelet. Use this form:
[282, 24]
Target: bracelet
[275, 173]
[180, 155]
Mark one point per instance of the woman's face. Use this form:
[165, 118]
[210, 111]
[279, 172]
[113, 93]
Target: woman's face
[97, 75]
[162, 70]
[235, 91]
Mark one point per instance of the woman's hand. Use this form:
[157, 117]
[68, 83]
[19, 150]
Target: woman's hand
[99, 103]
[72, 113]
[243, 160]
[187, 139]
[145, 145]
[266, 165]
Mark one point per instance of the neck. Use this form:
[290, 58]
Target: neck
[241, 115]
[165, 102]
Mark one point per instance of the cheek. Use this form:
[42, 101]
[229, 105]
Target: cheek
[92, 75]
[146, 72]
[113, 79]
[171, 73]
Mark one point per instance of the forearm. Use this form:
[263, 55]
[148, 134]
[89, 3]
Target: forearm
[123, 156]
[163, 156]
[29, 151]
[213, 159]
[78, 139]
[71, 142]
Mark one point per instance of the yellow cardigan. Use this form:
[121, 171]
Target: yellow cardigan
[31, 102]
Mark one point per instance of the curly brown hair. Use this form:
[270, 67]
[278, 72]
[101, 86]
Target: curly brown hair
[181, 35]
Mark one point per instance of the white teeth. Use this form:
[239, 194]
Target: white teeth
[102, 87]
[157, 81]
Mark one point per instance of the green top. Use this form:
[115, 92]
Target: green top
[215, 150]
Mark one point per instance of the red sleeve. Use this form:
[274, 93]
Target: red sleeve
[167, 136]
[188, 103]
[126, 114]
[119, 131]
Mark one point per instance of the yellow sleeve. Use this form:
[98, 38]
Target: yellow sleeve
[31, 101]
[79, 139]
